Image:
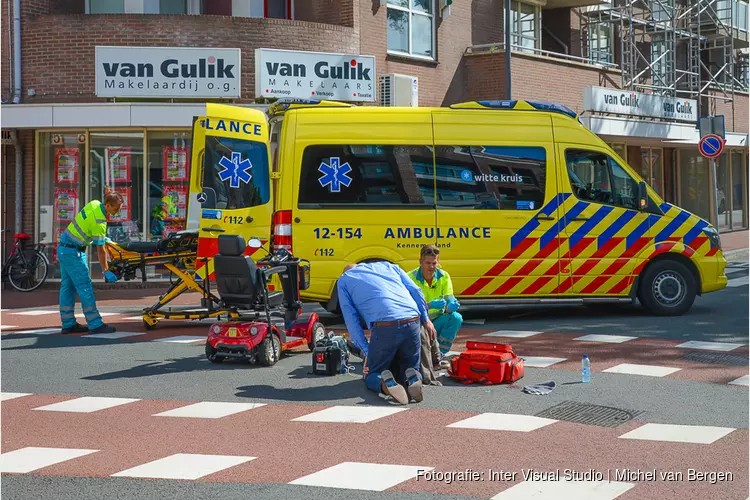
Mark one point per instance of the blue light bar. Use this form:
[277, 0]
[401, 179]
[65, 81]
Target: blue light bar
[498, 104]
[552, 106]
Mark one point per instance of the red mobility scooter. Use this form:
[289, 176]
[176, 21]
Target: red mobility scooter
[270, 322]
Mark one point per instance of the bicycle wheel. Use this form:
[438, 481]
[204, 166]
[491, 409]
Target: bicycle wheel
[28, 275]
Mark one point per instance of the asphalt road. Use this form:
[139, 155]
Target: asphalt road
[157, 371]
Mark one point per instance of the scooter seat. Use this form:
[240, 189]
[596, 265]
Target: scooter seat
[142, 246]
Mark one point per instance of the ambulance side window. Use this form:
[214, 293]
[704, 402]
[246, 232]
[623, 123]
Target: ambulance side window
[598, 178]
[491, 177]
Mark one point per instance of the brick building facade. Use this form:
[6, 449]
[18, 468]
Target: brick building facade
[447, 48]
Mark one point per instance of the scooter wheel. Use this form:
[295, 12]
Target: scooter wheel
[269, 351]
[318, 332]
[211, 354]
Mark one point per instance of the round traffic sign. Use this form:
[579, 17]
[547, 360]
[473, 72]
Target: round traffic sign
[711, 145]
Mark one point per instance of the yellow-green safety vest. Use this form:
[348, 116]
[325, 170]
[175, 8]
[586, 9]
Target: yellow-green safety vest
[441, 287]
[89, 227]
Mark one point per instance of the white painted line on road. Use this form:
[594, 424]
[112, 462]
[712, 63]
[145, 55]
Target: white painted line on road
[614, 339]
[184, 466]
[181, 339]
[103, 315]
[5, 327]
[541, 361]
[648, 370]
[31, 458]
[553, 490]
[743, 380]
[132, 318]
[40, 331]
[503, 422]
[709, 346]
[6, 396]
[511, 333]
[86, 404]
[361, 476]
[35, 313]
[477, 321]
[349, 414]
[115, 335]
[209, 409]
[735, 282]
[699, 434]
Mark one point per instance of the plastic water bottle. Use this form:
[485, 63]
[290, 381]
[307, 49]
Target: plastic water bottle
[586, 369]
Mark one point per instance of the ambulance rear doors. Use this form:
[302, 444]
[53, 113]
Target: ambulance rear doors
[229, 184]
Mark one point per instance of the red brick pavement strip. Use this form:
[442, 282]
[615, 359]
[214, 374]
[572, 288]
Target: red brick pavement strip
[129, 435]
[643, 351]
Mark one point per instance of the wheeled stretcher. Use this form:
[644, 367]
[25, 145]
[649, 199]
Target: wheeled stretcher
[177, 253]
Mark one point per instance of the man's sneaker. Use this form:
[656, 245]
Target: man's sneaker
[104, 329]
[415, 384]
[77, 328]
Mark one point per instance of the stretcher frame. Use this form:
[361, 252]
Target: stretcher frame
[124, 264]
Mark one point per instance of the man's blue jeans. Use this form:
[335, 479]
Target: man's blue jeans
[74, 277]
[389, 342]
[447, 326]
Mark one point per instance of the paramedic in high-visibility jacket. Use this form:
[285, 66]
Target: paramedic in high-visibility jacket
[88, 228]
[437, 287]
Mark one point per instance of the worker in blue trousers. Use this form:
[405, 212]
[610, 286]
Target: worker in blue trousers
[437, 287]
[88, 228]
[393, 308]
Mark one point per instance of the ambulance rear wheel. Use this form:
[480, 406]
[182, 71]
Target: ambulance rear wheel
[269, 351]
[211, 354]
[667, 288]
[318, 332]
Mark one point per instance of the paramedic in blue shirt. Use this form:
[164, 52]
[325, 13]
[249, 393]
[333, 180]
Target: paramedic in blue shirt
[393, 308]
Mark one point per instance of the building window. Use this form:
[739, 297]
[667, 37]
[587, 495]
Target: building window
[143, 7]
[275, 9]
[411, 26]
[600, 43]
[491, 177]
[526, 22]
[366, 175]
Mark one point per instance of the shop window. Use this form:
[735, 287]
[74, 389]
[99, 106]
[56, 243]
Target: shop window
[598, 178]
[695, 184]
[61, 182]
[652, 168]
[116, 164]
[235, 173]
[366, 175]
[411, 27]
[491, 177]
[739, 190]
[526, 21]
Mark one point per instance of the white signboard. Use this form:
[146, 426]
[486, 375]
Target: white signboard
[167, 72]
[314, 75]
[621, 102]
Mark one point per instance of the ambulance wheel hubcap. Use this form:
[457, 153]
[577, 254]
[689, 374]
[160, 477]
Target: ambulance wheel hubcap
[669, 288]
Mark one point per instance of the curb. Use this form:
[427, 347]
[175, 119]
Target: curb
[738, 255]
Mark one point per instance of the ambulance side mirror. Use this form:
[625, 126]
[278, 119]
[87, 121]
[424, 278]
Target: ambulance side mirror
[642, 196]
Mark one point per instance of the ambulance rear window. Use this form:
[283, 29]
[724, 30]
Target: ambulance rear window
[235, 173]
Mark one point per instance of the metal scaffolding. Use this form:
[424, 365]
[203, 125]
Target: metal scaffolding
[685, 48]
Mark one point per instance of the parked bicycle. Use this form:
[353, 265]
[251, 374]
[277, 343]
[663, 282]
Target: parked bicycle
[26, 267]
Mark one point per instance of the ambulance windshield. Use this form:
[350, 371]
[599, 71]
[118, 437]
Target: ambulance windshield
[235, 173]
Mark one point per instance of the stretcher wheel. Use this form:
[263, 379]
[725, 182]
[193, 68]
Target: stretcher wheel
[269, 351]
[211, 354]
[318, 332]
[148, 326]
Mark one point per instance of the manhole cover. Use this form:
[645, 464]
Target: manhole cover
[717, 358]
[584, 413]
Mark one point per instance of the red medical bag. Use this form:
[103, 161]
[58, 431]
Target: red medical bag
[486, 363]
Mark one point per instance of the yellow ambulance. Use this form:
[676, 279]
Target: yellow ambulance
[525, 203]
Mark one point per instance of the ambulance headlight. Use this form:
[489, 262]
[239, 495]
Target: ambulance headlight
[713, 235]
[253, 330]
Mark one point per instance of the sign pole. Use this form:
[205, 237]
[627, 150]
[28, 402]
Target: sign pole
[716, 192]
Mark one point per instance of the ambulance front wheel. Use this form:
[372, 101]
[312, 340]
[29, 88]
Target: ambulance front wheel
[667, 288]
[211, 354]
[318, 332]
[269, 351]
